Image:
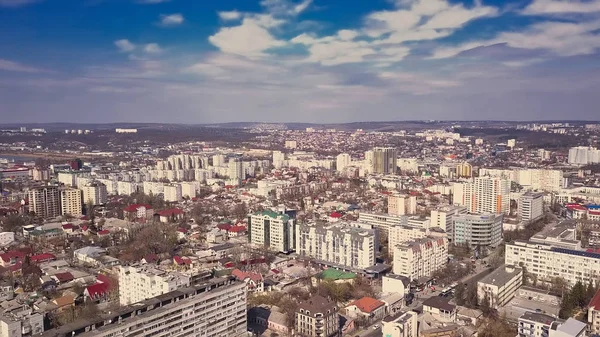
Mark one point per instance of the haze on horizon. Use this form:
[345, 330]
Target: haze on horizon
[318, 61]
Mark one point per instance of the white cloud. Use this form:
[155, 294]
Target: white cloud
[124, 45]
[6, 65]
[301, 7]
[560, 38]
[457, 16]
[152, 48]
[249, 39]
[171, 19]
[285, 7]
[16, 3]
[562, 6]
[230, 15]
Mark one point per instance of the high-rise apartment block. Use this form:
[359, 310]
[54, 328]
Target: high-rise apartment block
[272, 230]
[71, 201]
[531, 206]
[443, 217]
[421, 257]
[172, 193]
[338, 244]
[399, 204]
[384, 160]
[342, 161]
[583, 155]
[213, 309]
[483, 230]
[45, 201]
[483, 195]
[404, 233]
[95, 193]
[278, 159]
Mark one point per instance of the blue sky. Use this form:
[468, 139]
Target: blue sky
[197, 61]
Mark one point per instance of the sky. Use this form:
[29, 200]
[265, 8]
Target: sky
[319, 61]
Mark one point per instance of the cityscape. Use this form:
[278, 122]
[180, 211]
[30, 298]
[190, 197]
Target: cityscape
[394, 229]
[299, 168]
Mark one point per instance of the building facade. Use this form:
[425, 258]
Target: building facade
[384, 160]
[531, 206]
[402, 204]
[141, 282]
[500, 286]
[273, 230]
[95, 193]
[483, 195]
[317, 317]
[420, 258]
[45, 201]
[338, 244]
[401, 324]
[484, 230]
[70, 202]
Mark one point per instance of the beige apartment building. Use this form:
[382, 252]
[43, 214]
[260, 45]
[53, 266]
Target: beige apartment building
[70, 201]
[141, 282]
[317, 317]
[421, 257]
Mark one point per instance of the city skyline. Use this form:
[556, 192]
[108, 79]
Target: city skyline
[297, 61]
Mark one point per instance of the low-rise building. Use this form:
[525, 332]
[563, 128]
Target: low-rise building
[440, 308]
[500, 285]
[401, 324]
[368, 308]
[533, 324]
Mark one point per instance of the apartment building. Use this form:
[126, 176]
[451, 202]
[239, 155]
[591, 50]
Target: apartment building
[384, 160]
[534, 324]
[540, 179]
[69, 178]
[420, 258]
[399, 204]
[172, 193]
[339, 244]
[273, 230]
[45, 201]
[95, 193]
[70, 201]
[213, 309]
[500, 286]
[483, 230]
[20, 321]
[383, 222]
[317, 317]
[483, 195]
[443, 217]
[141, 282]
[405, 233]
[342, 161]
[548, 261]
[531, 206]
[401, 324]
[594, 314]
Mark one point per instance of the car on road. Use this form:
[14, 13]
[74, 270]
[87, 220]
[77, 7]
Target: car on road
[376, 326]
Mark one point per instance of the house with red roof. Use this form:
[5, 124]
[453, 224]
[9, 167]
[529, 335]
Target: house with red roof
[254, 281]
[335, 217]
[61, 278]
[40, 258]
[170, 215]
[150, 258]
[182, 262]
[366, 307]
[97, 292]
[137, 212]
[237, 231]
[594, 314]
[11, 258]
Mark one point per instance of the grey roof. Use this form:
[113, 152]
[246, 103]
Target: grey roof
[572, 327]
[537, 317]
[500, 276]
[439, 303]
[405, 280]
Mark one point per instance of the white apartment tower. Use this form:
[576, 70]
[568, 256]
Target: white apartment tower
[483, 195]
[45, 201]
[95, 193]
[399, 204]
[278, 159]
[70, 201]
[338, 244]
[142, 282]
[421, 257]
[172, 193]
[343, 160]
[272, 230]
[531, 206]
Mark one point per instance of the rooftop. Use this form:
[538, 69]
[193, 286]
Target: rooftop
[501, 275]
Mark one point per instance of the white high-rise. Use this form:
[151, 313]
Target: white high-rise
[141, 282]
[236, 170]
[483, 195]
[421, 257]
[278, 159]
[172, 193]
[95, 193]
[399, 204]
[583, 155]
[531, 206]
[343, 160]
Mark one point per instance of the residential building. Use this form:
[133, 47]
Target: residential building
[236, 170]
[172, 193]
[384, 160]
[548, 261]
[583, 155]
[464, 170]
[401, 324]
[534, 324]
[278, 159]
[338, 244]
[141, 282]
[21, 321]
[383, 222]
[70, 201]
[593, 315]
[138, 211]
[317, 317]
[569, 328]
[213, 309]
[6, 239]
[399, 204]
[368, 308]
[69, 178]
[45, 201]
[540, 179]
[420, 258]
[404, 233]
[443, 217]
[483, 195]
[392, 283]
[343, 160]
[483, 230]
[500, 286]
[95, 193]
[273, 230]
[531, 206]
[440, 308]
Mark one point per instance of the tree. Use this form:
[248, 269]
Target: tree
[13, 223]
[459, 294]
